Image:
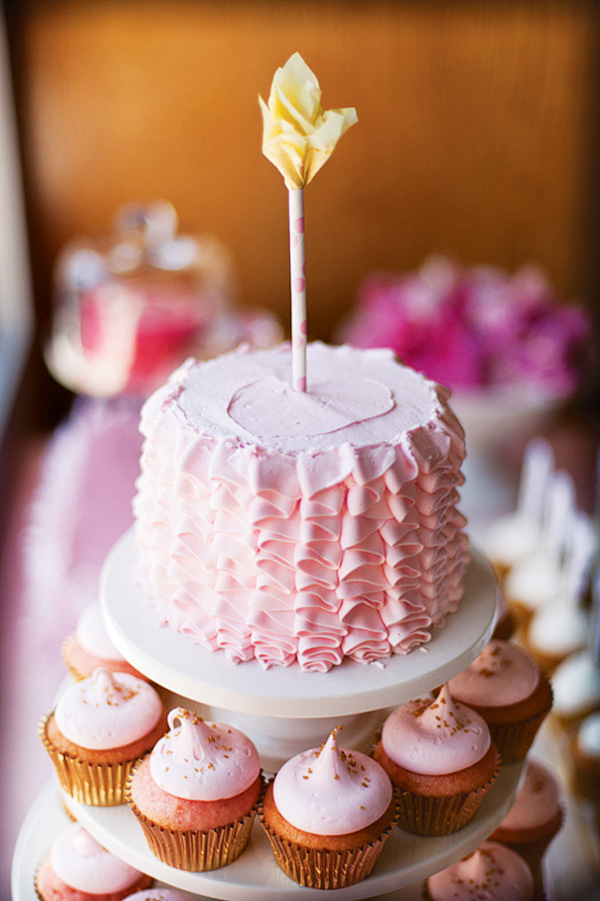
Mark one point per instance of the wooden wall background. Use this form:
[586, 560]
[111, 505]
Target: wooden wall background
[476, 134]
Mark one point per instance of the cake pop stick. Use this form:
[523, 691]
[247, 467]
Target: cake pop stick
[538, 465]
[298, 138]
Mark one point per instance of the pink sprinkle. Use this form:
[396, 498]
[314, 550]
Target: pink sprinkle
[299, 224]
[298, 285]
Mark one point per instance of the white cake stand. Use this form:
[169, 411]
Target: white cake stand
[285, 710]
[280, 710]
[406, 859]
[186, 668]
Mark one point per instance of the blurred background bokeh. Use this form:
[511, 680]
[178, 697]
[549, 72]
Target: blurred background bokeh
[478, 139]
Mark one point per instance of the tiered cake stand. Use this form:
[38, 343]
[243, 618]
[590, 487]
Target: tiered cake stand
[284, 711]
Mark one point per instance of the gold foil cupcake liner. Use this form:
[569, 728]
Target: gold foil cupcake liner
[429, 815]
[195, 851]
[96, 784]
[326, 869]
[514, 740]
[35, 879]
[65, 652]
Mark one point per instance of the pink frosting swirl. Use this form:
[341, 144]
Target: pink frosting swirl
[502, 674]
[331, 790]
[82, 863]
[108, 710]
[203, 761]
[537, 800]
[493, 872]
[296, 530]
[435, 737]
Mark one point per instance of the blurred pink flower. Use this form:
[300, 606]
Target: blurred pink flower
[475, 327]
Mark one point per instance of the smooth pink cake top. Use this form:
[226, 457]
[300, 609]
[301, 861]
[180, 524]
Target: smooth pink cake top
[203, 761]
[537, 800]
[435, 737]
[331, 790]
[108, 710]
[362, 397]
[82, 863]
[493, 872]
[502, 674]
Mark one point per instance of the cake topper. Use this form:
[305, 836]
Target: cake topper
[299, 136]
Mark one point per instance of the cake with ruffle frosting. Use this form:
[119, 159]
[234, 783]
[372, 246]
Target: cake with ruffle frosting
[301, 526]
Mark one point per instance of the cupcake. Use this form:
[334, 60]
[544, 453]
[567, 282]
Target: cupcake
[439, 755]
[530, 585]
[327, 814]
[535, 817]
[79, 869]
[492, 871]
[556, 631]
[89, 647]
[576, 690]
[561, 627]
[585, 759]
[98, 730]
[195, 795]
[504, 685]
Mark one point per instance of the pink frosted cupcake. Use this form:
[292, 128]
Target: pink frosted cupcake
[89, 647]
[195, 795]
[535, 817]
[504, 685]
[493, 871]
[99, 729]
[327, 814]
[441, 759]
[79, 869]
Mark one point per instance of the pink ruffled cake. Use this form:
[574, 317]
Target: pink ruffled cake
[493, 872]
[98, 730]
[195, 794]
[78, 868]
[327, 814]
[310, 527]
[439, 755]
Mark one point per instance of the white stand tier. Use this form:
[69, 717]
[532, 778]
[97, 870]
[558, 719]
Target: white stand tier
[284, 710]
[185, 668]
[255, 876]
[47, 817]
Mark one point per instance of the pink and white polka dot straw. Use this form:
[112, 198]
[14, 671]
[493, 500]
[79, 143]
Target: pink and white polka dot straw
[298, 287]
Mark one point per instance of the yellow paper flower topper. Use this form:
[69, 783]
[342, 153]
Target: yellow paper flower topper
[298, 135]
